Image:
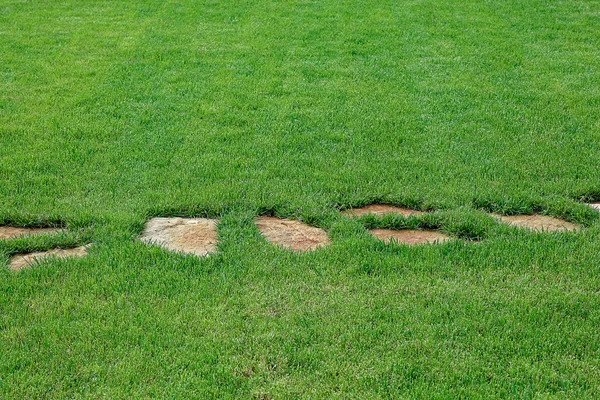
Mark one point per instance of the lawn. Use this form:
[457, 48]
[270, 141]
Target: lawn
[115, 112]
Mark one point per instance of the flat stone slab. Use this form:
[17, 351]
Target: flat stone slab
[595, 205]
[20, 261]
[291, 234]
[537, 222]
[188, 235]
[10, 232]
[380, 209]
[409, 236]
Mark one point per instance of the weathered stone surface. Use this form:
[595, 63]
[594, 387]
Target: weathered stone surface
[409, 236]
[20, 261]
[188, 235]
[291, 234]
[10, 232]
[537, 222]
[595, 205]
[380, 209]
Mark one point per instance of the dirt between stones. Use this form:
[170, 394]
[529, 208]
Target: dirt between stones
[9, 232]
[537, 222]
[20, 261]
[189, 235]
[380, 209]
[291, 234]
[409, 236]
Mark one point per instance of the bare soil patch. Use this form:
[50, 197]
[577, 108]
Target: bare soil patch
[188, 235]
[20, 261]
[291, 234]
[409, 236]
[9, 232]
[595, 205]
[538, 222]
[380, 209]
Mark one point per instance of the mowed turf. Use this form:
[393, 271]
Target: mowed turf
[115, 112]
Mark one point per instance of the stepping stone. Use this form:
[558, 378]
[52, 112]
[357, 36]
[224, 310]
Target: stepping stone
[9, 232]
[291, 234]
[20, 261]
[188, 235]
[537, 222]
[409, 236]
[380, 209]
[595, 205]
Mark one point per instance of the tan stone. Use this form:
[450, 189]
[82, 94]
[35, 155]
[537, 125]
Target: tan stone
[20, 261]
[10, 232]
[188, 235]
[380, 209]
[595, 205]
[537, 222]
[291, 234]
[409, 236]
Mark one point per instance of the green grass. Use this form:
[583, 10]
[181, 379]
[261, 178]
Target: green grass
[113, 112]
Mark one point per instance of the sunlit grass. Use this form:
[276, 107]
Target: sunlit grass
[113, 112]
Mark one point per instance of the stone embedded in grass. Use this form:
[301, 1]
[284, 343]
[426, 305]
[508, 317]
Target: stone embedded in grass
[188, 235]
[291, 234]
[595, 205]
[20, 261]
[537, 222]
[409, 236]
[380, 209]
[10, 232]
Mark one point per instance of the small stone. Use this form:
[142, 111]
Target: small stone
[537, 222]
[409, 236]
[10, 232]
[380, 209]
[595, 205]
[20, 261]
[188, 235]
[291, 234]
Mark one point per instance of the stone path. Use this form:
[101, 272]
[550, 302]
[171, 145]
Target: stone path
[199, 235]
